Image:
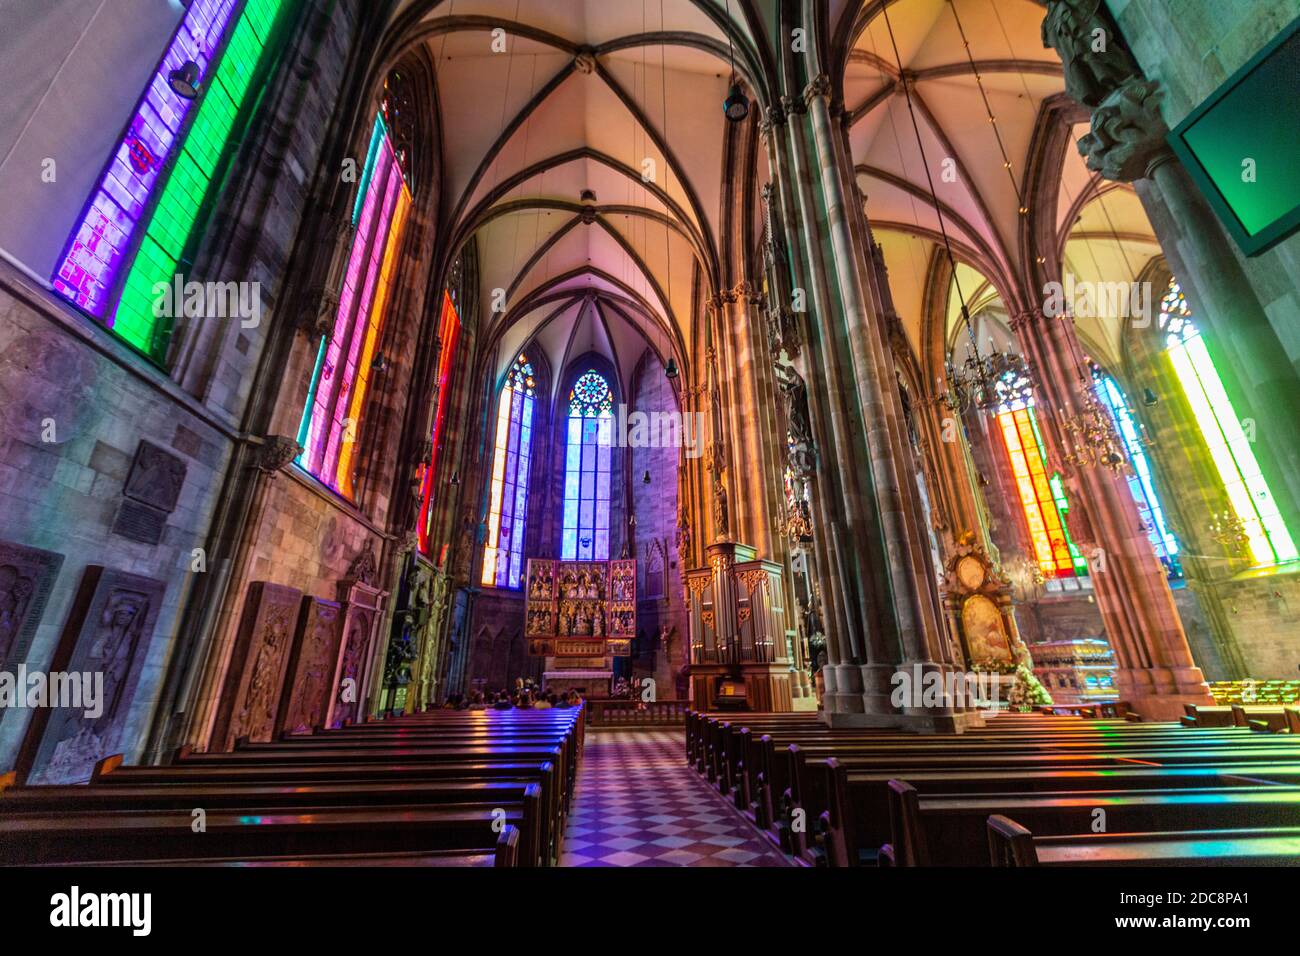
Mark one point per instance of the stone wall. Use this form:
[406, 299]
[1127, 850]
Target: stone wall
[78, 402]
[1191, 47]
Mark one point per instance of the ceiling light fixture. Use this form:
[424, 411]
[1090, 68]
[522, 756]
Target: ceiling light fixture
[736, 106]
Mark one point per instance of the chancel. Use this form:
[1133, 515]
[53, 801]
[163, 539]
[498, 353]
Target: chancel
[536, 433]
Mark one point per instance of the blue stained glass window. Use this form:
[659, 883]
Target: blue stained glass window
[1141, 483]
[508, 494]
[586, 478]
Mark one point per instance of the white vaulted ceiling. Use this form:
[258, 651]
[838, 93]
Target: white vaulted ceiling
[1102, 233]
[620, 98]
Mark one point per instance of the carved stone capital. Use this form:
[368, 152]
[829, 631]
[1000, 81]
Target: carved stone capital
[275, 452]
[793, 105]
[1093, 56]
[819, 87]
[1128, 132]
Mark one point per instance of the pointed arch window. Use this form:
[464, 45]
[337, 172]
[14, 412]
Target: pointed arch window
[448, 336]
[508, 494]
[1141, 482]
[1252, 501]
[143, 216]
[585, 535]
[345, 362]
[1042, 495]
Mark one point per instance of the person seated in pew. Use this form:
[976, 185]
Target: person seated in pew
[542, 702]
[476, 701]
[502, 703]
[560, 701]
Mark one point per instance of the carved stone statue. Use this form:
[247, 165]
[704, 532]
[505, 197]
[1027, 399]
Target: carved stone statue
[795, 392]
[1127, 132]
[721, 513]
[1095, 60]
[364, 567]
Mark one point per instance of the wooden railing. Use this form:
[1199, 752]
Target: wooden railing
[636, 713]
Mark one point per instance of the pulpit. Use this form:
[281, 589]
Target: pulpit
[580, 615]
[739, 652]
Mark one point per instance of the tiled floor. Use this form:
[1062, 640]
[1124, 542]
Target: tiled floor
[638, 804]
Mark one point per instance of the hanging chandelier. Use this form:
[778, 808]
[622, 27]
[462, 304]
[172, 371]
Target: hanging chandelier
[985, 382]
[982, 382]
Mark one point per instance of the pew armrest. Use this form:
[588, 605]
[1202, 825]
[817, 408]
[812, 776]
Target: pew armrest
[507, 851]
[102, 767]
[1010, 844]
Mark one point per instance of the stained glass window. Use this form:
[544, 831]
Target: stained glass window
[585, 536]
[1042, 496]
[345, 361]
[508, 497]
[1141, 482]
[448, 335]
[119, 237]
[1248, 493]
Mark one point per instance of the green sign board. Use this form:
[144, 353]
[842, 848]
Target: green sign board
[1242, 146]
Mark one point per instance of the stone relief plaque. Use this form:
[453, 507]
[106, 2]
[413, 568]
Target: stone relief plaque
[156, 477]
[103, 649]
[250, 699]
[305, 701]
[27, 576]
[346, 689]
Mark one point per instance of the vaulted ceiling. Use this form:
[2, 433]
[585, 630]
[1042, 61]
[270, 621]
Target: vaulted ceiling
[965, 60]
[583, 152]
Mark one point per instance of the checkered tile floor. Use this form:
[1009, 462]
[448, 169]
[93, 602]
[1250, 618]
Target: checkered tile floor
[638, 804]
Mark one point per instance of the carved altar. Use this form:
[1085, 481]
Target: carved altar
[977, 605]
[738, 631]
[579, 616]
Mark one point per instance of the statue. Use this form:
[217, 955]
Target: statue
[795, 392]
[1095, 61]
[721, 515]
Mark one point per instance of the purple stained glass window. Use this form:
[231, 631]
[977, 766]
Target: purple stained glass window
[95, 251]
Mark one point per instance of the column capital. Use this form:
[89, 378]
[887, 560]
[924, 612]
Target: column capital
[819, 87]
[1128, 133]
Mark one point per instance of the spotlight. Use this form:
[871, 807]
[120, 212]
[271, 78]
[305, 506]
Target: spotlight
[379, 363]
[455, 478]
[645, 478]
[736, 105]
[1149, 398]
[185, 81]
[670, 370]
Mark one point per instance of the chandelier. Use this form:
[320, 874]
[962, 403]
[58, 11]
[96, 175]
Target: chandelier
[985, 382]
[1089, 436]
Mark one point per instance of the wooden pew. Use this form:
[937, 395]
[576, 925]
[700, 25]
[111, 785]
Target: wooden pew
[857, 820]
[951, 829]
[35, 838]
[1011, 844]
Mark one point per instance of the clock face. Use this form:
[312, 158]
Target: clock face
[970, 573]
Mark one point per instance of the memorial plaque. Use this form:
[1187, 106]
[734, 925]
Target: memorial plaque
[305, 701]
[140, 523]
[156, 477]
[250, 699]
[103, 648]
[27, 576]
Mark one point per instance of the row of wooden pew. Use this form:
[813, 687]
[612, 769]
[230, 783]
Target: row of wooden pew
[442, 788]
[1265, 718]
[1024, 790]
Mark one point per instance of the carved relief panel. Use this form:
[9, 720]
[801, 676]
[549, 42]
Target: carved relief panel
[305, 701]
[102, 649]
[250, 699]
